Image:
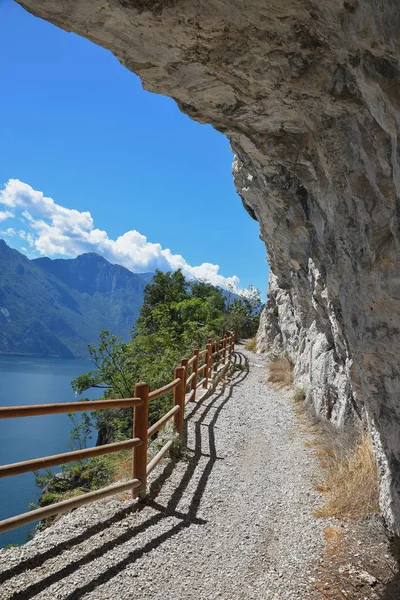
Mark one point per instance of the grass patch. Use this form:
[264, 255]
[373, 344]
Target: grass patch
[177, 450]
[240, 367]
[251, 344]
[299, 395]
[280, 372]
[349, 477]
[123, 467]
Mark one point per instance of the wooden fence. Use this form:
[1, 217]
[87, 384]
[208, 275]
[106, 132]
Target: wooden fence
[194, 373]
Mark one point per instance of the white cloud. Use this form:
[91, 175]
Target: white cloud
[55, 230]
[10, 232]
[5, 214]
[25, 235]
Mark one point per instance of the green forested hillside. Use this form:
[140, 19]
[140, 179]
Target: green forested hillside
[56, 307]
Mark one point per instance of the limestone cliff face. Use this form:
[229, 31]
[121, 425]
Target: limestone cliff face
[308, 92]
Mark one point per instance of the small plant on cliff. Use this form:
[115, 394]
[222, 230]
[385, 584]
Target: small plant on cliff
[43, 477]
[81, 431]
[298, 395]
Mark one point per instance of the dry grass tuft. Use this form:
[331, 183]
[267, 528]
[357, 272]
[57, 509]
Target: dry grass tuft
[251, 344]
[123, 468]
[280, 372]
[349, 477]
[334, 539]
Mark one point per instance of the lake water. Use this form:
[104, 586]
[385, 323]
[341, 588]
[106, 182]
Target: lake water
[28, 380]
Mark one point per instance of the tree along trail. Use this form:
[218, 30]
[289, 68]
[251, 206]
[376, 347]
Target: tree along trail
[231, 520]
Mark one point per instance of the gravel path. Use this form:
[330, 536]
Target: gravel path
[232, 521]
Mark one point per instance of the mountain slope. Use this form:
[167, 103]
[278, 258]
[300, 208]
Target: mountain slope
[57, 307]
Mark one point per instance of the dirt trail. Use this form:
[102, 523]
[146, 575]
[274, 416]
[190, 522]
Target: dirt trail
[232, 520]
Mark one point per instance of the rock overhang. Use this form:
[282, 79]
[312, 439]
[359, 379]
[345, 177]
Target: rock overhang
[307, 92]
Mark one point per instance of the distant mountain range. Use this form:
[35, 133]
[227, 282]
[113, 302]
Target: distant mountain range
[56, 307]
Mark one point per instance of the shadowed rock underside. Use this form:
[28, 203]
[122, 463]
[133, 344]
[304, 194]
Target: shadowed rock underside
[308, 92]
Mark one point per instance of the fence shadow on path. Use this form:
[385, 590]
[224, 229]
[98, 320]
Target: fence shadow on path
[392, 588]
[204, 415]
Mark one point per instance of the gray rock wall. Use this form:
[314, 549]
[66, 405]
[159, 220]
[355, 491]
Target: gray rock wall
[308, 93]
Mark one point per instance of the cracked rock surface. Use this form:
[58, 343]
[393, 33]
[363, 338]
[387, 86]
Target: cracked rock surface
[308, 92]
[232, 520]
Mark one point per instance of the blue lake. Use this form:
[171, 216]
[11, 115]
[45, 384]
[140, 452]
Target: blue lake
[28, 380]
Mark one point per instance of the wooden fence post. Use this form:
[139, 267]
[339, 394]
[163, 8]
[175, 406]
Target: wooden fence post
[224, 353]
[216, 350]
[195, 371]
[231, 344]
[140, 426]
[184, 363]
[210, 357]
[179, 400]
[207, 359]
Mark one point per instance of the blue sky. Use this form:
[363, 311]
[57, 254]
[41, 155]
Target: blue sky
[98, 164]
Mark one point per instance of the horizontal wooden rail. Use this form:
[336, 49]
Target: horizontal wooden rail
[60, 459]
[224, 348]
[200, 383]
[190, 378]
[154, 461]
[65, 505]
[164, 390]
[190, 396]
[156, 426]
[35, 410]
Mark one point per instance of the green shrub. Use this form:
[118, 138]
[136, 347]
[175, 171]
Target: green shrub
[176, 450]
[299, 394]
